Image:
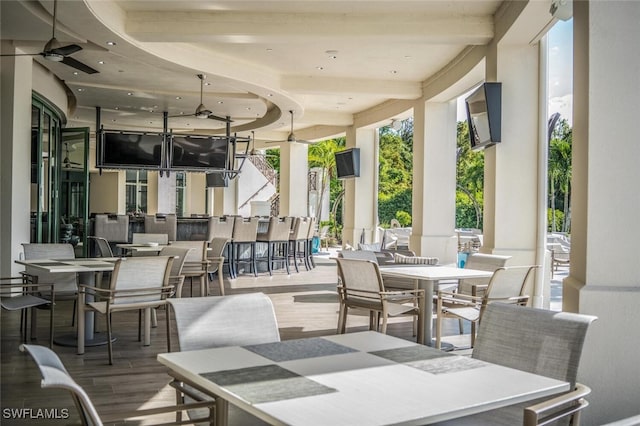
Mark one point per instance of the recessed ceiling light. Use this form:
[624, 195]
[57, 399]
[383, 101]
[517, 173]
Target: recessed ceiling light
[155, 106]
[220, 102]
[248, 108]
[268, 49]
[151, 122]
[113, 119]
[181, 112]
[81, 90]
[207, 84]
[178, 97]
[331, 52]
[101, 62]
[320, 68]
[111, 43]
[129, 94]
[116, 108]
[75, 73]
[407, 56]
[394, 71]
[270, 94]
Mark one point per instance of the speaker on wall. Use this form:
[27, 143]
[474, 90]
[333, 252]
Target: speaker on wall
[217, 180]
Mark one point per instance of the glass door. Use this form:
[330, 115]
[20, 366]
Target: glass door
[74, 188]
[45, 142]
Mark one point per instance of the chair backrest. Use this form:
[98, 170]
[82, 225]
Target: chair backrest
[509, 282]
[179, 255]
[138, 273]
[112, 227]
[481, 262]
[312, 227]
[197, 252]
[65, 282]
[56, 376]
[216, 321]
[361, 280]
[102, 246]
[300, 228]
[324, 231]
[279, 228]
[161, 224]
[220, 227]
[245, 229]
[143, 238]
[539, 341]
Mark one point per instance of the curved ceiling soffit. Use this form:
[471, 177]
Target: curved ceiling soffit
[199, 60]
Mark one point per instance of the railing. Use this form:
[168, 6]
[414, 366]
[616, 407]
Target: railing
[275, 204]
[265, 168]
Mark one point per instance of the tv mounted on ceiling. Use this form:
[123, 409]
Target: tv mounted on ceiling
[217, 180]
[130, 150]
[192, 152]
[348, 163]
[484, 115]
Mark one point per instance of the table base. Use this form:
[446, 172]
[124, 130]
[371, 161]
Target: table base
[72, 340]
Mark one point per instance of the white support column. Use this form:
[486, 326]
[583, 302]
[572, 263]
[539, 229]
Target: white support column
[15, 149]
[167, 193]
[294, 185]
[604, 278]
[511, 205]
[361, 193]
[434, 181]
[224, 201]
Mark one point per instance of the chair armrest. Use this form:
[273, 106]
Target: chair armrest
[459, 298]
[556, 408]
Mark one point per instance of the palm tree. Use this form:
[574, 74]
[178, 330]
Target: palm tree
[323, 155]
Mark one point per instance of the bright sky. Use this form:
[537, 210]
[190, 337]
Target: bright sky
[560, 72]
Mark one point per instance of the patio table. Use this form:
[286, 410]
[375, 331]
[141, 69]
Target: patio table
[364, 378]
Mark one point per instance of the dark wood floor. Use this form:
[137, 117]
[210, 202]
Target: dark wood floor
[306, 305]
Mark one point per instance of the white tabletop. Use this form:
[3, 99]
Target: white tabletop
[78, 265]
[427, 277]
[348, 380]
[432, 273]
[141, 247]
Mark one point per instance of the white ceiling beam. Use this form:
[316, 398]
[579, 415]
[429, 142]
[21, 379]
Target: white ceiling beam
[251, 27]
[352, 86]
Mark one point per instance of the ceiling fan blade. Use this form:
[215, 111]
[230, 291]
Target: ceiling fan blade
[305, 142]
[180, 115]
[66, 50]
[21, 54]
[78, 65]
[223, 119]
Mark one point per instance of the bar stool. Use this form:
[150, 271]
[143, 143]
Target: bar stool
[111, 227]
[245, 231]
[297, 237]
[221, 227]
[276, 235]
[161, 224]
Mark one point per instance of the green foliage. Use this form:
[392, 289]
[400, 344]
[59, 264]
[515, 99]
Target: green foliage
[470, 181]
[389, 205]
[395, 171]
[559, 173]
[559, 219]
[403, 217]
[273, 158]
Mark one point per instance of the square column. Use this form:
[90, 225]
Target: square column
[604, 279]
[294, 179]
[434, 181]
[361, 193]
[15, 157]
[511, 179]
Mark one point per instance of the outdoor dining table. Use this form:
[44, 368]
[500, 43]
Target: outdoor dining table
[428, 278]
[130, 248]
[86, 268]
[364, 378]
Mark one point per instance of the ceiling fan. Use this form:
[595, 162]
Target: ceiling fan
[202, 111]
[292, 137]
[56, 52]
[66, 162]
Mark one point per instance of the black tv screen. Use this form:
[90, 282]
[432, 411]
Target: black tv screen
[199, 152]
[348, 163]
[484, 115]
[217, 180]
[131, 150]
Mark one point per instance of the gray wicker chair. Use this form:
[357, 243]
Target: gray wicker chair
[217, 321]
[56, 376]
[140, 284]
[539, 341]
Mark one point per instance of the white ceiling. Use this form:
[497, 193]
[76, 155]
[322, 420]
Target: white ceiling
[325, 60]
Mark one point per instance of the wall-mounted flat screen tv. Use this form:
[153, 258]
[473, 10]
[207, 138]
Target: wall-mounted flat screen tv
[217, 180]
[484, 115]
[130, 150]
[191, 152]
[348, 163]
